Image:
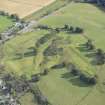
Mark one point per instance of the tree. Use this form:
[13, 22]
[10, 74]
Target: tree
[45, 72]
[91, 80]
[35, 78]
[0, 37]
[71, 29]
[100, 56]
[72, 68]
[78, 30]
[57, 30]
[2, 13]
[15, 17]
[89, 45]
[24, 77]
[66, 27]
[8, 77]
[99, 52]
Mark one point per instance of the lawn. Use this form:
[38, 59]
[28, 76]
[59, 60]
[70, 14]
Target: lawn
[5, 23]
[61, 87]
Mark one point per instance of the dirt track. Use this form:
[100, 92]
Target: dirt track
[23, 7]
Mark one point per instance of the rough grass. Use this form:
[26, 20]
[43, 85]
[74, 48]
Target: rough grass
[27, 99]
[5, 23]
[22, 44]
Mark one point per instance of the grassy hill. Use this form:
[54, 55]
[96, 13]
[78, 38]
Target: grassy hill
[60, 86]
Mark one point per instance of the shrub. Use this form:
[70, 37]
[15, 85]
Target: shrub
[72, 68]
[43, 40]
[45, 72]
[89, 45]
[35, 78]
[15, 17]
[45, 27]
[71, 29]
[78, 30]
[2, 13]
[100, 57]
[58, 66]
[91, 80]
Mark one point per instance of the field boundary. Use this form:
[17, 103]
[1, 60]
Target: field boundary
[47, 10]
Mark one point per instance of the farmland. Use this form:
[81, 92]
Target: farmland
[26, 7]
[24, 54]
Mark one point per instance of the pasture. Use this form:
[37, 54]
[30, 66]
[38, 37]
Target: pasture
[60, 86]
[23, 7]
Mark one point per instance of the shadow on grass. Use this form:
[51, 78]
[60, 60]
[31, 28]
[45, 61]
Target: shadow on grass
[68, 76]
[31, 52]
[74, 80]
[90, 55]
[77, 82]
[102, 8]
[82, 49]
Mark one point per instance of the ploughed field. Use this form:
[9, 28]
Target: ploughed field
[23, 7]
[29, 54]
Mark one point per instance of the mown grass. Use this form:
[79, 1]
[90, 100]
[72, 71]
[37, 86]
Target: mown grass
[5, 23]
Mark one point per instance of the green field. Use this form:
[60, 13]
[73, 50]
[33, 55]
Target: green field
[5, 23]
[61, 87]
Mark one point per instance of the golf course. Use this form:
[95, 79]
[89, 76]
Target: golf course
[52, 44]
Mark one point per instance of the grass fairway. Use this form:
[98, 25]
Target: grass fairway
[86, 16]
[4, 23]
[22, 44]
[61, 87]
[63, 91]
